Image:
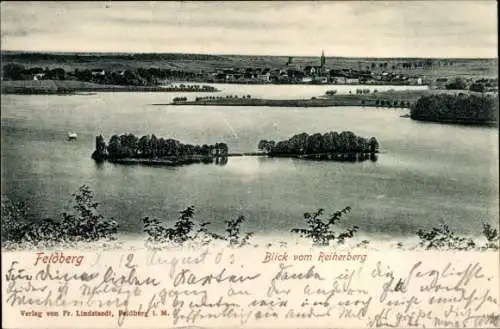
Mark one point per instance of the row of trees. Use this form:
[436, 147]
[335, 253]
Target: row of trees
[149, 146]
[459, 108]
[97, 57]
[203, 98]
[331, 142]
[193, 88]
[409, 65]
[19, 72]
[457, 84]
[481, 85]
[388, 103]
[138, 77]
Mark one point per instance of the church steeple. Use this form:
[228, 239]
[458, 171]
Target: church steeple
[322, 58]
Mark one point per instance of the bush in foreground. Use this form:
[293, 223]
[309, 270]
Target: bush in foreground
[319, 230]
[83, 224]
[187, 230]
[443, 238]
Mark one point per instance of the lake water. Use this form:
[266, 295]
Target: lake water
[297, 91]
[426, 172]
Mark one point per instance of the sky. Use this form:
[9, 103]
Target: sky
[465, 29]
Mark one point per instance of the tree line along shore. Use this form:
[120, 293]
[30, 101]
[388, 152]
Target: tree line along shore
[62, 87]
[438, 106]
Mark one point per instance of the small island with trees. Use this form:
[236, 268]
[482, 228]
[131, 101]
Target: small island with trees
[150, 150]
[344, 146]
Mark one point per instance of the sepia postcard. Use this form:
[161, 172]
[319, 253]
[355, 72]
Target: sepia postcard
[241, 164]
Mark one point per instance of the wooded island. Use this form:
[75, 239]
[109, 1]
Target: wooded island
[150, 150]
[344, 146]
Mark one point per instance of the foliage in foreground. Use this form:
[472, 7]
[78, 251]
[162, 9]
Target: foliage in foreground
[186, 229]
[491, 236]
[84, 223]
[319, 230]
[443, 238]
[13, 220]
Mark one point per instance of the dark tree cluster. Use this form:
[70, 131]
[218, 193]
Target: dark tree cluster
[459, 108]
[393, 103]
[151, 75]
[484, 85]
[218, 98]
[19, 72]
[457, 84]
[152, 147]
[331, 143]
[193, 88]
[138, 77]
[417, 64]
[179, 99]
[478, 87]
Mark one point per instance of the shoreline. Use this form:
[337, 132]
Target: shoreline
[473, 123]
[335, 157]
[343, 100]
[162, 162]
[384, 100]
[73, 87]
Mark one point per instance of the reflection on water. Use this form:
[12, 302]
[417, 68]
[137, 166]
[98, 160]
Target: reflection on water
[221, 161]
[343, 157]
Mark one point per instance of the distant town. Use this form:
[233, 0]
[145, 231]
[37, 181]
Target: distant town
[226, 70]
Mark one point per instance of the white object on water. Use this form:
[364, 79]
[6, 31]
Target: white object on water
[72, 136]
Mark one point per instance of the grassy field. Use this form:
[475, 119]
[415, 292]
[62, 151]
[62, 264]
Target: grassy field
[475, 68]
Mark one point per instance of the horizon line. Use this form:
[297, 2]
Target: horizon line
[228, 54]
